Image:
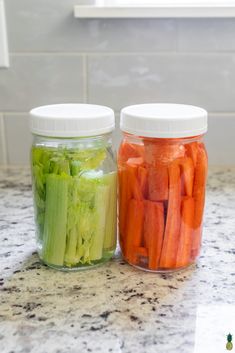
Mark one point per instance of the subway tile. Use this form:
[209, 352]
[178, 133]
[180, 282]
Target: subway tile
[203, 35]
[40, 79]
[51, 26]
[220, 139]
[18, 138]
[3, 156]
[205, 80]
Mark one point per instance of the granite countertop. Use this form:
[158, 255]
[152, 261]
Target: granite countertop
[114, 308]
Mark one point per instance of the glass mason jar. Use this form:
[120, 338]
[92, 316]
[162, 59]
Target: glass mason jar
[162, 170]
[74, 184]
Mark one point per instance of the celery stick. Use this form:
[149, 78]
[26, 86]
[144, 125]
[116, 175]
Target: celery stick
[100, 206]
[55, 219]
[111, 219]
[70, 257]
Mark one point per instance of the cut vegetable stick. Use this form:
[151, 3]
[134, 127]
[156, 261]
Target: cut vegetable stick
[111, 220]
[143, 180]
[199, 195]
[171, 236]
[197, 236]
[55, 219]
[100, 205]
[200, 186]
[158, 183]
[140, 251]
[134, 229]
[191, 151]
[187, 167]
[162, 152]
[135, 161]
[133, 182]
[186, 232]
[128, 150]
[124, 197]
[154, 231]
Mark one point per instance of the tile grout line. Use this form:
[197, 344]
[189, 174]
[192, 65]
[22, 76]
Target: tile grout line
[3, 139]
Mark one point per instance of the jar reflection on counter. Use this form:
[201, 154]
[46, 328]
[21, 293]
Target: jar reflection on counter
[162, 184]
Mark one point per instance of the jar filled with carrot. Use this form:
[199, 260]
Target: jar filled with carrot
[162, 163]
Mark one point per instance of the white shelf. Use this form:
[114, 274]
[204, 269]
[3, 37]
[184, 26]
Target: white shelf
[4, 56]
[156, 9]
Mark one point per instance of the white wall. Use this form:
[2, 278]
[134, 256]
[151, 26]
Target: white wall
[56, 58]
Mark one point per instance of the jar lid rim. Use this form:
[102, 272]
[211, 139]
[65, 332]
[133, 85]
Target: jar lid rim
[72, 120]
[164, 120]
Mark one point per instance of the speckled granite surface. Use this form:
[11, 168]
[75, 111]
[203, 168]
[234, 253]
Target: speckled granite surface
[114, 308]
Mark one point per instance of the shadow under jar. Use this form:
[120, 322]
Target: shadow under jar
[74, 185]
[162, 171]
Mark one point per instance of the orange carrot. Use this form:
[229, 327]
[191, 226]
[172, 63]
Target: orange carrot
[133, 182]
[187, 167]
[171, 237]
[153, 231]
[127, 151]
[134, 228]
[143, 180]
[162, 151]
[158, 183]
[124, 197]
[199, 189]
[140, 251]
[197, 236]
[135, 161]
[186, 232]
[130, 150]
[191, 151]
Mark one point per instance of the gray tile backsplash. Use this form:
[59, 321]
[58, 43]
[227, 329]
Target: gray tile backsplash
[50, 26]
[3, 156]
[206, 35]
[42, 79]
[57, 58]
[18, 138]
[203, 79]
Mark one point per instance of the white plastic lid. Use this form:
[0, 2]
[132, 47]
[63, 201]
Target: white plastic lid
[163, 120]
[71, 120]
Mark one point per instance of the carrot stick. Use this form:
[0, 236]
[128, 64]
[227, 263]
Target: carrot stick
[133, 182]
[162, 151]
[187, 167]
[141, 251]
[158, 183]
[143, 180]
[199, 196]
[191, 151]
[124, 197]
[135, 161]
[186, 232]
[171, 237]
[133, 238]
[154, 231]
[130, 150]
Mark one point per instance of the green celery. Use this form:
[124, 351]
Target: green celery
[111, 219]
[55, 219]
[100, 206]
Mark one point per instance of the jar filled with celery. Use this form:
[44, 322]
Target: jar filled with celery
[162, 165]
[74, 184]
